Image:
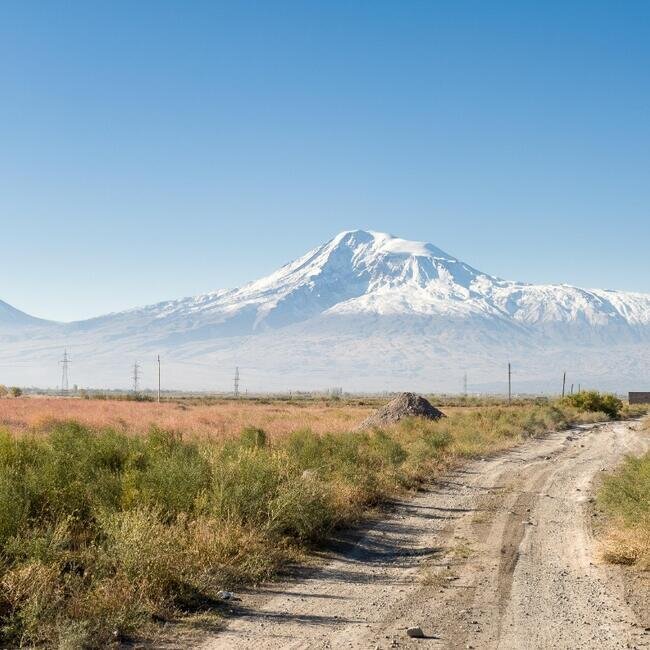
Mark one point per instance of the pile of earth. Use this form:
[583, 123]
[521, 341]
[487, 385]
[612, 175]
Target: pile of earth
[405, 405]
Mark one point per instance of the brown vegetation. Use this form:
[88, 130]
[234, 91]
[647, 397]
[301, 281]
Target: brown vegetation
[216, 419]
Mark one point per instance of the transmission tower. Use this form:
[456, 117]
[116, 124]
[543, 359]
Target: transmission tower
[509, 383]
[64, 372]
[136, 377]
[237, 382]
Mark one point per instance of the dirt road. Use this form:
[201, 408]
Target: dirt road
[499, 554]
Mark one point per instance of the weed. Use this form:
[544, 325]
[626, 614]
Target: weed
[625, 495]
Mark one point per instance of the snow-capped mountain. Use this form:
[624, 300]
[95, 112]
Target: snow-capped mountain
[366, 310]
[362, 272]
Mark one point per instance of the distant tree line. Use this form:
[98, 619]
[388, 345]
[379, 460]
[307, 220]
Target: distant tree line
[14, 391]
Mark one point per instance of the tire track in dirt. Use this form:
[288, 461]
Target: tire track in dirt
[512, 537]
[497, 554]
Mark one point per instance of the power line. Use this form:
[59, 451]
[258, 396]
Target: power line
[509, 383]
[136, 377]
[64, 372]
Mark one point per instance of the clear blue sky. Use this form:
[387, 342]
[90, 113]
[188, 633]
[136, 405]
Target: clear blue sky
[152, 149]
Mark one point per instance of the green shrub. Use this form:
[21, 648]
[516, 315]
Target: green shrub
[245, 483]
[594, 401]
[301, 510]
[169, 473]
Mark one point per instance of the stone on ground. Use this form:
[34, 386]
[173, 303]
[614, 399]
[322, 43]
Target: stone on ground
[415, 632]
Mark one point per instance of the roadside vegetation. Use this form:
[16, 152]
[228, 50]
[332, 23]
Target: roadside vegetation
[591, 400]
[104, 534]
[625, 496]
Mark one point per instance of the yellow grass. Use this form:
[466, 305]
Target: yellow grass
[627, 544]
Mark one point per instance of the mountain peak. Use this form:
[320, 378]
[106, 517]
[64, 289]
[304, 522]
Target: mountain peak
[385, 243]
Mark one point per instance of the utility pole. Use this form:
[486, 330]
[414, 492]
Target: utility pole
[509, 383]
[64, 372]
[465, 384]
[236, 383]
[136, 377]
[158, 379]
[564, 385]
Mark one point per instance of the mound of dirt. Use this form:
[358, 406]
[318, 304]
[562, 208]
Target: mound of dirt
[405, 405]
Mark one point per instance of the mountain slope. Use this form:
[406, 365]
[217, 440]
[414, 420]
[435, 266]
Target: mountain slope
[10, 317]
[364, 309]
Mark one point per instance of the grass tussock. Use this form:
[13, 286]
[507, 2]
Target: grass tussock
[625, 495]
[102, 533]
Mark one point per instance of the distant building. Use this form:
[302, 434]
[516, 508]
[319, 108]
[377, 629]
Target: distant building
[639, 398]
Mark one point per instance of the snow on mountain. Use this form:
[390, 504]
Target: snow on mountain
[365, 310]
[361, 272]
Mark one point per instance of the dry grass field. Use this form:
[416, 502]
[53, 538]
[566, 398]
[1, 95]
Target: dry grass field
[218, 419]
[212, 418]
[110, 526]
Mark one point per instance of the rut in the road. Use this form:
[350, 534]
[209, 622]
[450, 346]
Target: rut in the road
[498, 554]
